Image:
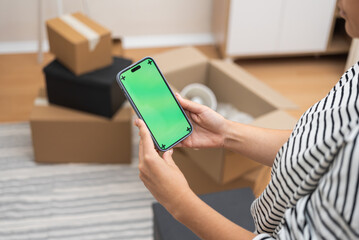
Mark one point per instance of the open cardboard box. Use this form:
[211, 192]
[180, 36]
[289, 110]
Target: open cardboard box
[231, 84]
[63, 135]
[201, 183]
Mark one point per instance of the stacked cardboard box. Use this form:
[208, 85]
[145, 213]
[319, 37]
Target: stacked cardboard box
[79, 43]
[82, 79]
[209, 170]
[64, 135]
[95, 92]
[83, 75]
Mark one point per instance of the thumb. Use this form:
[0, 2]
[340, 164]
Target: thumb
[167, 156]
[189, 105]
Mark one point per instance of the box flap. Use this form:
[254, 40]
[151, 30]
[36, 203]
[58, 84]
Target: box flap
[208, 159]
[255, 85]
[183, 66]
[101, 30]
[228, 89]
[65, 30]
[199, 181]
[57, 113]
[236, 165]
[178, 59]
[276, 119]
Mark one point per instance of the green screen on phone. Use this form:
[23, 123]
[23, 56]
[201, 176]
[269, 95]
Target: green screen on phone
[155, 103]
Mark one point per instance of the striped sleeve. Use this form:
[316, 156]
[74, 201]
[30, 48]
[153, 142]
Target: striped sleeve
[331, 211]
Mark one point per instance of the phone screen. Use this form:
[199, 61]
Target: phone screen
[155, 103]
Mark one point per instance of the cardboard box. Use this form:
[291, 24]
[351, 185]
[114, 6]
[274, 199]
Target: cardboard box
[234, 85]
[201, 182]
[62, 135]
[95, 92]
[79, 43]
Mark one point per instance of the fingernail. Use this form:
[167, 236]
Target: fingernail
[178, 95]
[136, 121]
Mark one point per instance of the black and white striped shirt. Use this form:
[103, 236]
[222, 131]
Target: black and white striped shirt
[314, 187]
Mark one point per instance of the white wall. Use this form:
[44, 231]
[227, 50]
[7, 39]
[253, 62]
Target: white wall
[134, 20]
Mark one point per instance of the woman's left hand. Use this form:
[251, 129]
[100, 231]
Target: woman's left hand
[161, 175]
[168, 185]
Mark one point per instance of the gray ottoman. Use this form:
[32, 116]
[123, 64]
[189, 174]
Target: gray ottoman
[233, 204]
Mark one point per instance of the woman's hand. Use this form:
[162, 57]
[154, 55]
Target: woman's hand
[168, 185]
[161, 175]
[208, 126]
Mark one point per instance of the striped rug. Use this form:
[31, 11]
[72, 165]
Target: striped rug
[68, 201]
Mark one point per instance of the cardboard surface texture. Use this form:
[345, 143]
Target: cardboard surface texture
[62, 135]
[73, 49]
[201, 182]
[230, 84]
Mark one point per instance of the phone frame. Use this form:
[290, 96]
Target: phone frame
[118, 79]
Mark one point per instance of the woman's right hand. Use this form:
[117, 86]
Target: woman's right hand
[208, 126]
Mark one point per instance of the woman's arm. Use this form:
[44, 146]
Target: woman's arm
[167, 184]
[259, 144]
[207, 223]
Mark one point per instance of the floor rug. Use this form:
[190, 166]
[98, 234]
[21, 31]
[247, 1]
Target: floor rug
[68, 201]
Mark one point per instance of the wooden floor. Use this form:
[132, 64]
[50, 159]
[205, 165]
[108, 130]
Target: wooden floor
[304, 80]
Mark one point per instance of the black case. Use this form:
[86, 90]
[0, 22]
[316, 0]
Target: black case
[233, 204]
[96, 92]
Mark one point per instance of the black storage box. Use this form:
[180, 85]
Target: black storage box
[233, 204]
[96, 92]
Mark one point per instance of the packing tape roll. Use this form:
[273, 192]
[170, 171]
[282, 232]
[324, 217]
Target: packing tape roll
[201, 94]
[92, 36]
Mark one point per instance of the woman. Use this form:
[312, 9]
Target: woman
[313, 192]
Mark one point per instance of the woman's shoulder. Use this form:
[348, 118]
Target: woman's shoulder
[348, 76]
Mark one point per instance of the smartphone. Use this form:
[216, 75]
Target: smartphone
[154, 102]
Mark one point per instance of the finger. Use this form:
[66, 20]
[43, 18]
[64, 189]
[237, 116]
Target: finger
[140, 153]
[167, 156]
[189, 105]
[194, 117]
[148, 146]
[134, 122]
